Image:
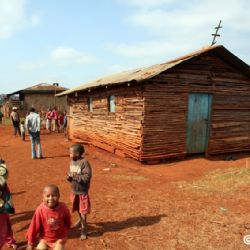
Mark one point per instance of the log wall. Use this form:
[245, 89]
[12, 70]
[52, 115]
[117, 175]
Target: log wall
[166, 103]
[118, 132]
[150, 117]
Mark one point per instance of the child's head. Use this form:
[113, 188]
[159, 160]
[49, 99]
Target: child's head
[3, 174]
[22, 122]
[32, 110]
[51, 196]
[76, 151]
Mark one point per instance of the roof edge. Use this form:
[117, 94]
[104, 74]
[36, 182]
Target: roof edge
[219, 50]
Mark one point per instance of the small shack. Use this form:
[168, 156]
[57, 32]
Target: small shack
[40, 96]
[198, 103]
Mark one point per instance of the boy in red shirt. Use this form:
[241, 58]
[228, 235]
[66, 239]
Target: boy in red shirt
[51, 222]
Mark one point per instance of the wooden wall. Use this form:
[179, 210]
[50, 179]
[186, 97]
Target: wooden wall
[150, 118]
[166, 103]
[42, 102]
[118, 132]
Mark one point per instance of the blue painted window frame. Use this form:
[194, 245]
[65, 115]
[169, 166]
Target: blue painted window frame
[111, 104]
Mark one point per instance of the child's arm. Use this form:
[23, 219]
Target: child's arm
[67, 218]
[34, 229]
[85, 176]
[11, 116]
[69, 177]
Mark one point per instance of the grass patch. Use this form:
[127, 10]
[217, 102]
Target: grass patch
[223, 181]
[6, 121]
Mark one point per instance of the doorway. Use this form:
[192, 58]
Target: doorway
[198, 122]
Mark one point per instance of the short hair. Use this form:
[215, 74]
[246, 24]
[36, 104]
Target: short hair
[78, 148]
[52, 186]
[32, 110]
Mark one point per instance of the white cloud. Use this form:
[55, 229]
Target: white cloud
[195, 16]
[59, 56]
[149, 49]
[176, 27]
[70, 55]
[35, 20]
[14, 17]
[147, 3]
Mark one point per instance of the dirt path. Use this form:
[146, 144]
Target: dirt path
[133, 206]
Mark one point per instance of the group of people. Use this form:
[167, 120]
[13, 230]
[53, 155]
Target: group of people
[53, 120]
[51, 221]
[56, 121]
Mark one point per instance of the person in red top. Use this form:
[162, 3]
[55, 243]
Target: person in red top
[61, 121]
[6, 208]
[54, 121]
[51, 222]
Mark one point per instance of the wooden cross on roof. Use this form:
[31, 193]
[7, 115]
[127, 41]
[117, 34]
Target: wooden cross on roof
[216, 33]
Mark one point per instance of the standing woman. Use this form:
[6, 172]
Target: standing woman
[15, 121]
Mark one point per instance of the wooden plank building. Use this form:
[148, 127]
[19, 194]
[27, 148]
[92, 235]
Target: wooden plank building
[40, 96]
[194, 104]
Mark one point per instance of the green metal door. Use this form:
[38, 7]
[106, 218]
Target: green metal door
[199, 110]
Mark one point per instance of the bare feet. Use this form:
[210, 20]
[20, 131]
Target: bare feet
[14, 246]
[83, 236]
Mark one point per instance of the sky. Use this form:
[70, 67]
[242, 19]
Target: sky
[72, 42]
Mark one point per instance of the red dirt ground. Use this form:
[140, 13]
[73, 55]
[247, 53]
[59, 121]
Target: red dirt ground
[134, 206]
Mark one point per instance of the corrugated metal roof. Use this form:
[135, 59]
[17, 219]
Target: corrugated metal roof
[45, 86]
[42, 87]
[145, 73]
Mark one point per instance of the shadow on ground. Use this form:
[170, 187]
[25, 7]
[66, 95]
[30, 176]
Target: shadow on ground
[114, 226]
[23, 216]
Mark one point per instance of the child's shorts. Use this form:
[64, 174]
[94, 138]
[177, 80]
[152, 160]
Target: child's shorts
[58, 245]
[81, 203]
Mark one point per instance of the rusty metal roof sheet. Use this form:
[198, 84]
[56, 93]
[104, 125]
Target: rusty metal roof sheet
[40, 88]
[145, 73]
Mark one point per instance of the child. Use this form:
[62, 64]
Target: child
[22, 128]
[15, 121]
[61, 121]
[51, 222]
[65, 123]
[80, 175]
[48, 120]
[6, 207]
